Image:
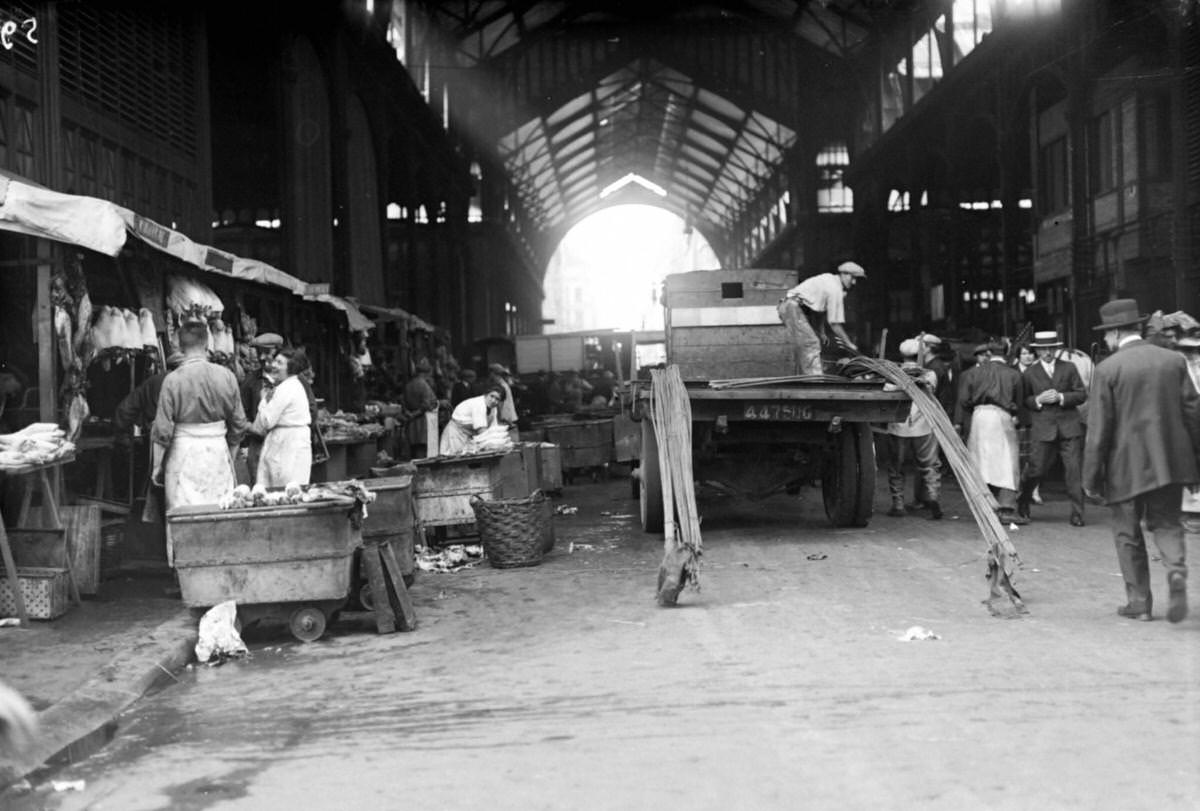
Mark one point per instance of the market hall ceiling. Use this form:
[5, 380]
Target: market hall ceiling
[692, 106]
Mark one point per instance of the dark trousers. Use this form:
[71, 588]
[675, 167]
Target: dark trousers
[1041, 455]
[1160, 509]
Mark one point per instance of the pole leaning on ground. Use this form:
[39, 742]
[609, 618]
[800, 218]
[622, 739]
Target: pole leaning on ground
[671, 413]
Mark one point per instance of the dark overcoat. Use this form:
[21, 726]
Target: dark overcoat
[1143, 423]
[1053, 421]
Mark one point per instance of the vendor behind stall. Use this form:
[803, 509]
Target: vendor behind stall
[419, 399]
[284, 420]
[265, 347]
[199, 425]
[140, 406]
[471, 417]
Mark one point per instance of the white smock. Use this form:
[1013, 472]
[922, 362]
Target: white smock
[993, 446]
[285, 419]
[470, 417]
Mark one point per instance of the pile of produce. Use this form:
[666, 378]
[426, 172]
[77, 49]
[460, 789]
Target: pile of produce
[243, 497]
[343, 426]
[34, 444]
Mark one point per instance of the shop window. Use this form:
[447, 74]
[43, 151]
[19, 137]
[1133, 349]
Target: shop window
[927, 61]
[971, 22]
[833, 195]
[1154, 136]
[1053, 177]
[892, 91]
[1105, 143]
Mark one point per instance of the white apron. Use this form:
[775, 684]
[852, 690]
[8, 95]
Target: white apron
[993, 446]
[286, 456]
[455, 439]
[198, 468]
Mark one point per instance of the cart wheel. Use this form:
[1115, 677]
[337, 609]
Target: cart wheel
[307, 624]
[651, 491]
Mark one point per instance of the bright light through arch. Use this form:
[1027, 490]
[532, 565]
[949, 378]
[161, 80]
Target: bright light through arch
[607, 272]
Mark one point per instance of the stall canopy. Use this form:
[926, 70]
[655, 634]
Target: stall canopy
[396, 314]
[33, 210]
[99, 225]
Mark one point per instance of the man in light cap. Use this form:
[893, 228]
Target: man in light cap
[914, 437]
[990, 393]
[266, 346]
[810, 306]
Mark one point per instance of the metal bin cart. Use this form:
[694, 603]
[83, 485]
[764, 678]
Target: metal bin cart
[290, 562]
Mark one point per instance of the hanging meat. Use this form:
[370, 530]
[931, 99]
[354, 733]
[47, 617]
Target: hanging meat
[77, 414]
[133, 331]
[63, 339]
[146, 328]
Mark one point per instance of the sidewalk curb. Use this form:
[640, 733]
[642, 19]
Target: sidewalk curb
[99, 702]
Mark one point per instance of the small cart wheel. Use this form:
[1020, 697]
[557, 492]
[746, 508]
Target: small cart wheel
[307, 624]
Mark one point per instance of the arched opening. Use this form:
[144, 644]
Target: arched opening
[607, 271]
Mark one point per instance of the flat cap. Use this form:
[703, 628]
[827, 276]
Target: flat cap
[852, 268]
[267, 339]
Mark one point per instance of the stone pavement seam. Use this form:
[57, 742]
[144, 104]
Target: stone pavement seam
[101, 700]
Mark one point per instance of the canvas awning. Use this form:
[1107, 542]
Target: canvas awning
[102, 226]
[212, 259]
[399, 315]
[33, 210]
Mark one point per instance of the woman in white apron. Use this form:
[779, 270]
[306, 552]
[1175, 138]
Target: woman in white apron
[284, 420]
[470, 418]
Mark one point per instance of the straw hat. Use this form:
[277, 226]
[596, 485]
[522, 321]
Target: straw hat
[1045, 340]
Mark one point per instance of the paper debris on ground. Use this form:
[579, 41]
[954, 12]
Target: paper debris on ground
[219, 637]
[68, 785]
[9, 622]
[453, 558]
[918, 633]
[563, 509]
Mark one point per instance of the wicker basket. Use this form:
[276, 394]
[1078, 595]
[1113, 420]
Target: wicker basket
[514, 531]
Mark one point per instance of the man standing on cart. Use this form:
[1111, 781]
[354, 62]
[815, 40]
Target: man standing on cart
[198, 428]
[809, 307]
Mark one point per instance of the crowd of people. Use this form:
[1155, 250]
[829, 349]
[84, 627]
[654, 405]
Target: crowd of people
[1126, 431]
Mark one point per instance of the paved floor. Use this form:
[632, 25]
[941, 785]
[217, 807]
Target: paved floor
[783, 683]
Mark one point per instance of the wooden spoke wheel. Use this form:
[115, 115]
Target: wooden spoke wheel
[848, 483]
[650, 491]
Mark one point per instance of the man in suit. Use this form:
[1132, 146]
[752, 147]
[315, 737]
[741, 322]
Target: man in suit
[1053, 393]
[1143, 441]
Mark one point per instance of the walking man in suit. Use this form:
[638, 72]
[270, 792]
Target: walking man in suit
[1143, 441]
[1053, 393]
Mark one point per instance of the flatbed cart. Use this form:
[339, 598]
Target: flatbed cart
[290, 562]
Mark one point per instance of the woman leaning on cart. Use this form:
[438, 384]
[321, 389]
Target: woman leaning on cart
[471, 417]
[284, 420]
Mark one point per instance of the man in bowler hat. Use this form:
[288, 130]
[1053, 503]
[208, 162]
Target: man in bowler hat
[1143, 441]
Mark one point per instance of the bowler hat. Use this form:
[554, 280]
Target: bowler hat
[1045, 340]
[852, 269]
[1118, 313]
